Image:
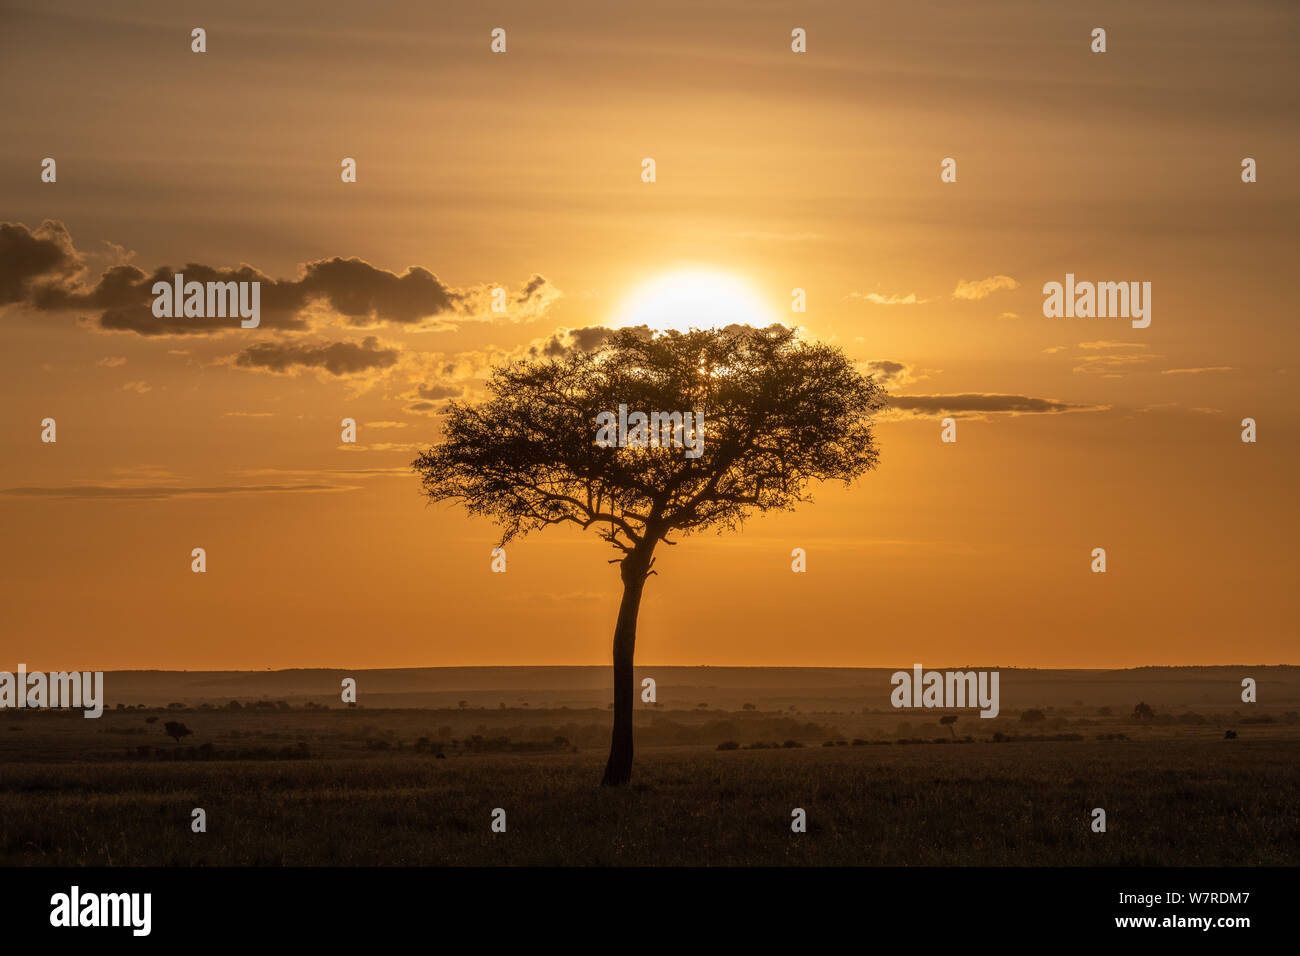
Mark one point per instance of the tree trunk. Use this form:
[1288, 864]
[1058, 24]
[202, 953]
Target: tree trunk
[635, 567]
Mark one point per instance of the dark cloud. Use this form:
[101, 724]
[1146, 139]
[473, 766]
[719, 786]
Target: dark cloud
[565, 341]
[364, 294]
[124, 297]
[337, 358]
[38, 267]
[45, 253]
[426, 408]
[439, 391]
[534, 285]
[886, 373]
[982, 402]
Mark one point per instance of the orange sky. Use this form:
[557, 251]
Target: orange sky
[818, 171]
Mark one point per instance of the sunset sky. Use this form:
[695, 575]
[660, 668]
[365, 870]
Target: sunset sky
[778, 170]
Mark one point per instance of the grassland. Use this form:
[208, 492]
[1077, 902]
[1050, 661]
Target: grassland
[359, 787]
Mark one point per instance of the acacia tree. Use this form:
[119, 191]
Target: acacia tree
[778, 413]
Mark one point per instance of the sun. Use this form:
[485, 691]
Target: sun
[693, 299]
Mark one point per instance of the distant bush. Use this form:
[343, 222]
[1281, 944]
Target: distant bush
[729, 745]
[791, 744]
[1032, 716]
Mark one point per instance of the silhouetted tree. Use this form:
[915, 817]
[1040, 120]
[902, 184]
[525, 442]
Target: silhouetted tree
[949, 721]
[779, 413]
[1143, 711]
[176, 730]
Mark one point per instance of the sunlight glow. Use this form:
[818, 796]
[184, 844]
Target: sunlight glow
[693, 299]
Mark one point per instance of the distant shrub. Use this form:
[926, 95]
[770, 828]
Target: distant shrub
[859, 742]
[729, 745]
[791, 744]
[1229, 735]
[1032, 716]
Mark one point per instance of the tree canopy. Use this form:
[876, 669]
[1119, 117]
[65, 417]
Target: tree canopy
[778, 413]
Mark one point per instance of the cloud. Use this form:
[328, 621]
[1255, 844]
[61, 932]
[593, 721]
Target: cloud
[112, 361]
[26, 255]
[890, 374]
[983, 288]
[438, 391]
[981, 402]
[337, 358]
[878, 299]
[325, 473]
[144, 493]
[564, 341]
[385, 446]
[138, 387]
[1198, 371]
[366, 295]
[39, 268]
[426, 408]
[123, 297]
[1111, 364]
[1107, 358]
